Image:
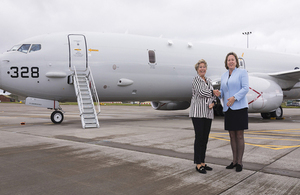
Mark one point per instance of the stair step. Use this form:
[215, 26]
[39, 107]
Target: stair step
[90, 121]
[90, 125]
[88, 106]
[88, 116]
[85, 96]
[88, 111]
[85, 93]
[85, 101]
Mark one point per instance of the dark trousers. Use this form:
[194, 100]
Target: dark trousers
[202, 129]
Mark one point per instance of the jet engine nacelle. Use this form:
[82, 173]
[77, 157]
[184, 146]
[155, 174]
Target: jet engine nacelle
[168, 105]
[264, 95]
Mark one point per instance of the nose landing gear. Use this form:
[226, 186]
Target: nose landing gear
[57, 117]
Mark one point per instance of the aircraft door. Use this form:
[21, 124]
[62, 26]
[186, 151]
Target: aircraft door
[242, 63]
[77, 52]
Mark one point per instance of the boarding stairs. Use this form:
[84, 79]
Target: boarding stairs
[86, 92]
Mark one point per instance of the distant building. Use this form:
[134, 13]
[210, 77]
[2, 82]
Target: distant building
[6, 98]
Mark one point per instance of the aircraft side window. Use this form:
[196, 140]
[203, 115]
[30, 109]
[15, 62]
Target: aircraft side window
[151, 56]
[24, 48]
[35, 47]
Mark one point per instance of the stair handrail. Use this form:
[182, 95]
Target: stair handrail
[94, 90]
[78, 94]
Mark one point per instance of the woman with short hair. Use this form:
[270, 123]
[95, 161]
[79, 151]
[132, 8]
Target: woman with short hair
[201, 112]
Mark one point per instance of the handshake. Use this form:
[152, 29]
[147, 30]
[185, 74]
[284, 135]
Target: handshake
[216, 92]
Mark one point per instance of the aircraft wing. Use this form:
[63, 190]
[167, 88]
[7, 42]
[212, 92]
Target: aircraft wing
[286, 79]
[287, 75]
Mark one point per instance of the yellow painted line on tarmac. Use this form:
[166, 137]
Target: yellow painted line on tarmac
[272, 138]
[282, 134]
[268, 132]
[275, 130]
[293, 133]
[265, 138]
[219, 138]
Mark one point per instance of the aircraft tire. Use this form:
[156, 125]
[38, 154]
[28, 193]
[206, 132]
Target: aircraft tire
[266, 115]
[277, 113]
[57, 117]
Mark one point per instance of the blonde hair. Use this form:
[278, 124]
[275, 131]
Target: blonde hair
[199, 62]
[236, 59]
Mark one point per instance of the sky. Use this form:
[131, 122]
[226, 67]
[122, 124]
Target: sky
[275, 24]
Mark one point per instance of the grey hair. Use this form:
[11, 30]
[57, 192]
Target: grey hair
[199, 62]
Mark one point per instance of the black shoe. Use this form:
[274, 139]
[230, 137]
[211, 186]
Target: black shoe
[231, 166]
[239, 168]
[208, 168]
[201, 169]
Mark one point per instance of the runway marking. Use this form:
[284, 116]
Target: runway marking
[291, 133]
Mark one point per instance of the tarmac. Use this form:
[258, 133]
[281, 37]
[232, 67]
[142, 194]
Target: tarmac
[138, 150]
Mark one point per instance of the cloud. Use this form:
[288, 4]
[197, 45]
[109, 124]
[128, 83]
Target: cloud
[274, 23]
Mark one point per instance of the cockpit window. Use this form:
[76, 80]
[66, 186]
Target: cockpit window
[24, 48]
[35, 47]
[15, 48]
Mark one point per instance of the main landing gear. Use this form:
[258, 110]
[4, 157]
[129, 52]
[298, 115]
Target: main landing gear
[276, 114]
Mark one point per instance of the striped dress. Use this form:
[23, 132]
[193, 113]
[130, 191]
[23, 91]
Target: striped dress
[202, 96]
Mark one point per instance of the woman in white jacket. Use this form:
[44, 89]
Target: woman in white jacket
[201, 112]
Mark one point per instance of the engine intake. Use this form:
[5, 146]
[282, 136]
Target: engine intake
[264, 95]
